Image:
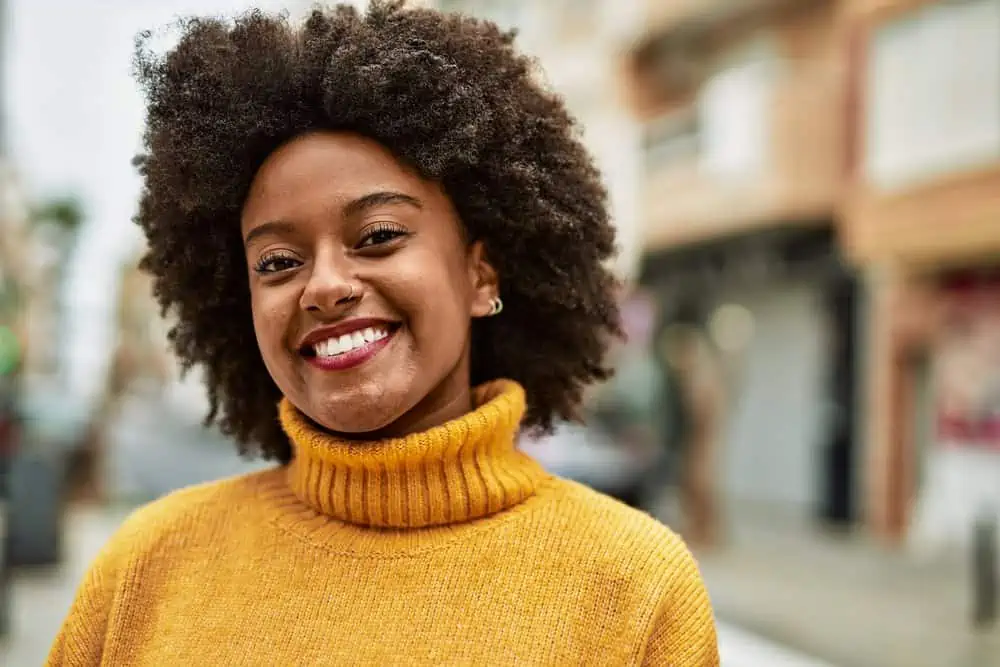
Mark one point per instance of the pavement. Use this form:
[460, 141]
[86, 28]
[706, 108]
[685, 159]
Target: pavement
[42, 598]
[846, 598]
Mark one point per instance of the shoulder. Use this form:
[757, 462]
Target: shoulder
[636, 557]
[596, 512]
[181, 516]
[627, 541]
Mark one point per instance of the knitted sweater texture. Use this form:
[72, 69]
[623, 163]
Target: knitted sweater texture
[447, 547]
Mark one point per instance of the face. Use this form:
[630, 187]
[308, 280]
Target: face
[363, 286]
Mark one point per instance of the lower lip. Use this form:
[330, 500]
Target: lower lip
[351, 359]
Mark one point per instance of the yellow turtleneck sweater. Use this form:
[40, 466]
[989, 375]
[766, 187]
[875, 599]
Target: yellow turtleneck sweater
[448, 547]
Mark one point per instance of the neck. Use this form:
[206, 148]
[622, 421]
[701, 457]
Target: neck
[434, 411]
[463, 469]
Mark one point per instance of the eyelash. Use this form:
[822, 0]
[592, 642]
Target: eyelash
[380, 228]
[268, 259]
[261, 266]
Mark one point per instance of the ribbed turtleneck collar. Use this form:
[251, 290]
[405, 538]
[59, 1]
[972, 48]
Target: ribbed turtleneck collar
[464, 469]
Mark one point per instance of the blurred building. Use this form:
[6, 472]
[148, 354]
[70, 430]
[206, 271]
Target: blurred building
[743, 108]
[922, 217]
[144, 365]
[821, 198]
[141, 358]
[32, 258]
[19, 272]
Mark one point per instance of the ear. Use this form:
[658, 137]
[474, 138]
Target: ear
[483, 279]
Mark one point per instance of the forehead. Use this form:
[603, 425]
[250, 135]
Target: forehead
[324, 169]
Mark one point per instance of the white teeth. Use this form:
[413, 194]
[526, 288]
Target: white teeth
[352, 341]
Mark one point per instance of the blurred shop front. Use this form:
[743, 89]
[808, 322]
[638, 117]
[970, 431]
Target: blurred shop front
[921, 221]
[743, 110]
[777, 310]
[957, 433]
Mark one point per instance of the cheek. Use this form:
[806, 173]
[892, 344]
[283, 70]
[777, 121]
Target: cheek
[270, 319]
[436, 300]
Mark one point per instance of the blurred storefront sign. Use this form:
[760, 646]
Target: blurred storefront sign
[961, 497]
[961, 483]
[967, 365]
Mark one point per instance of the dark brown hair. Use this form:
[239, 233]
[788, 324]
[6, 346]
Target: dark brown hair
[450, 96]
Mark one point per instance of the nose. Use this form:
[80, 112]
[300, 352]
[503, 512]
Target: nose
[328, 289]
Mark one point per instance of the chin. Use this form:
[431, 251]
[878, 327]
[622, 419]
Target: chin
[363, 411]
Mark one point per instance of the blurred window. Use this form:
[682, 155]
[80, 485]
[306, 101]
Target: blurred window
[934, 93]
[673, 137]
[734, 107]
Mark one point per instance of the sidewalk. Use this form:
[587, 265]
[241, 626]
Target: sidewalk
[739, 648]
[42, 597]
[845, 599]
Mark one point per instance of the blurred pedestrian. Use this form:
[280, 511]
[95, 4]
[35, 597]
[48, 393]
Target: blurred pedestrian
[694, 395]
[386, 246]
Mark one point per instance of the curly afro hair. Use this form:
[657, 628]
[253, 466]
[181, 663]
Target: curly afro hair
[450, 96]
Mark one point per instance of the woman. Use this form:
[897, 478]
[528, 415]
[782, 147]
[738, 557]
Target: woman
[384, 244]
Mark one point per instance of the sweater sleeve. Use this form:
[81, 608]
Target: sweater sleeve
[80, 642]
[683, 633]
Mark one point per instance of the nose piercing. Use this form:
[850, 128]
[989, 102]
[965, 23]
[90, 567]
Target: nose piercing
[350, 296]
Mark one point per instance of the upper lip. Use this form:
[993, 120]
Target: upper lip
[345, 327]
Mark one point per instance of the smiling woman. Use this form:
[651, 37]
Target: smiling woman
[386, 247]
[341, 237]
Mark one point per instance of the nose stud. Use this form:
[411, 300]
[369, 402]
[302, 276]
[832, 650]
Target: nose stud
[350, 296]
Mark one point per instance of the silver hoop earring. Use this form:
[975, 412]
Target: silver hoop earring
[496, 306]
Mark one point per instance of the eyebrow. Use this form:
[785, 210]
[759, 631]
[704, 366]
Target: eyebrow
[351, 208]
[381, 198]
[263, 229]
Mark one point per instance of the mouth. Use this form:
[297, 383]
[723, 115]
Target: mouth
[349, 349]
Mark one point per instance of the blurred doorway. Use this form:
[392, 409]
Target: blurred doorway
[781, 311]
[838, 504]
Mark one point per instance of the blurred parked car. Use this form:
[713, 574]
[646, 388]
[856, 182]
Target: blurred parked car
[588, 455]
[53, 426]
[7, 446]
[9, 438]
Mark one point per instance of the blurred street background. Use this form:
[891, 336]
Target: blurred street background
[808, 199]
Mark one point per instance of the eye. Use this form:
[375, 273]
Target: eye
[275, 262]
[380, 233]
